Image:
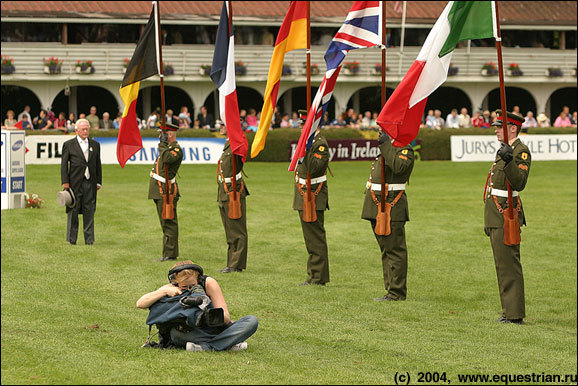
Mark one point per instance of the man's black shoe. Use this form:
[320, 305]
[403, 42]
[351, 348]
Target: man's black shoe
[385, 298]
[230, 269]
[308, 283]
[166, 258]
[512, 321]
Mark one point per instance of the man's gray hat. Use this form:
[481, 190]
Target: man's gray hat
[66, 197]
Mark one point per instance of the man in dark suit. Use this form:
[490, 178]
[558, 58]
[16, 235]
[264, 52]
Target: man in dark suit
[81, 171]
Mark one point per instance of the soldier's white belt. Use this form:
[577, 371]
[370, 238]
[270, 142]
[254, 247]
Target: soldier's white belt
[228, 179]
[377, 187]
[503, 193]
[159, 178]
[314, 181]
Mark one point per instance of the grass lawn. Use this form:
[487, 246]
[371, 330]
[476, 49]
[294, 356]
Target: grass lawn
[55, 295]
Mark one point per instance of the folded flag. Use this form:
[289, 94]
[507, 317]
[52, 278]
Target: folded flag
[361, 29]
[460, 20]
[292, 35]
[223, 75]
[143, 64]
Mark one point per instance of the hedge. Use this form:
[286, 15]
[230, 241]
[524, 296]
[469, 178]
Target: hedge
[434, 144]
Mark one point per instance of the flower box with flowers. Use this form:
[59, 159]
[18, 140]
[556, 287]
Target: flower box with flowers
[377, 69]
[240, 68]
[52, 65]
[168, 69]
[205, 69]
[314, 68]
[489, 69]
[7, 65]
[286, 70]
[33, 200]
[85, 67]
[453, 70]
[125, 63]
[554, 72]
[351, 68]
[514, 70]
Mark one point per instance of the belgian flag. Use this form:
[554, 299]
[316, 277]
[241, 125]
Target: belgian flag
[144, 64]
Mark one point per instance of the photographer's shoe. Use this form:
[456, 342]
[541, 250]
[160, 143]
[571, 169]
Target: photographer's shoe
[385, 298]
[239, 347]
[193, 347]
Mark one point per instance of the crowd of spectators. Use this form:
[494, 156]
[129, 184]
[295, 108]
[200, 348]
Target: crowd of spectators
[46, 120]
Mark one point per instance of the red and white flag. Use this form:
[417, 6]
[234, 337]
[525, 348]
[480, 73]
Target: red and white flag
[223, 75]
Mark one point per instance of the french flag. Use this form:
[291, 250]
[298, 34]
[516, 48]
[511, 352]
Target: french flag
[223, 75]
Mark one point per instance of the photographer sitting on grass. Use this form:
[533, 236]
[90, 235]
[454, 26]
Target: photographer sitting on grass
[191, 313]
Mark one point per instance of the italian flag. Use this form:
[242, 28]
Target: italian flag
[461, 20]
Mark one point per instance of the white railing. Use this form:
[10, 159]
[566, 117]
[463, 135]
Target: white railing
[186, 59]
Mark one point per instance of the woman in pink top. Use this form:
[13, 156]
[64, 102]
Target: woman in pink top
[562, 120]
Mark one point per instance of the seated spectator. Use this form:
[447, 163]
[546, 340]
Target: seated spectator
[41, 122]
[252, 120]
[285, 121]
[26, 124]
[276, 121]
[196, 124]
[183, 123]
[117, 120]
[452, 120]
[477, 120]
[61, 123]
[562, 120]
[355, 122]
[574, 118]
[154, 120]
[373, 122]
[438, 122]
[543, 120]
[71, 123]
[93, 118]
[487, 119]
[206, 120]
[105, 122]
[9, 122]
[465, 119]
[430, 118]
[339, 121]
[26, 112]
[325, 120]
[366, 120]
[170, 118]
[50, 116]
[186, 115]
[243, 117]
[294, 120]
[529, 121]
[350, 116]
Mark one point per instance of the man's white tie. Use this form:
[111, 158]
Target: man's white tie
[86, 172]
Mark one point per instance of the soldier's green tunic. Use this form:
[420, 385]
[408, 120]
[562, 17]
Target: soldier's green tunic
[316, 160]
[398, 167]
[235, 230]
[507, 258]
[172, 156]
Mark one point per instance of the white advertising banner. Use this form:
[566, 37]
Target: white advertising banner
[13, 169]
[543, 147]
[47, 149]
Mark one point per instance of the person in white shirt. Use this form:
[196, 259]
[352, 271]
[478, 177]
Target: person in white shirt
[465, 119]
[452, 120]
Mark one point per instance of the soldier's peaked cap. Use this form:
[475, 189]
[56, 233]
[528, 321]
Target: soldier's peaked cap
[171, 127]
[511, 117]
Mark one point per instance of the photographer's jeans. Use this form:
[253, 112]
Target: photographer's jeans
[237, 332]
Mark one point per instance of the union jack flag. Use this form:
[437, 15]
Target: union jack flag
[361, 29]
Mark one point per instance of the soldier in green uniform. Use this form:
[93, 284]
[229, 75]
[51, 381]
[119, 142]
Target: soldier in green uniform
[171, 156]
[235, 229]
[314, 165]
[398, 167]
[512, 164]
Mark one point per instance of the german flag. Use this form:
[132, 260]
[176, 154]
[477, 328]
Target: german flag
[144, 64]
[292, 35]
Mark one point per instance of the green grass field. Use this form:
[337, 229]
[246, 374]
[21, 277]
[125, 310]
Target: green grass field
[54, 294]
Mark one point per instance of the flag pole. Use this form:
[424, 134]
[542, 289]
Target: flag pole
[308, 56]
[401, 45]
[383, 63]
[503, 101]
[167, 199]
[233, 163]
